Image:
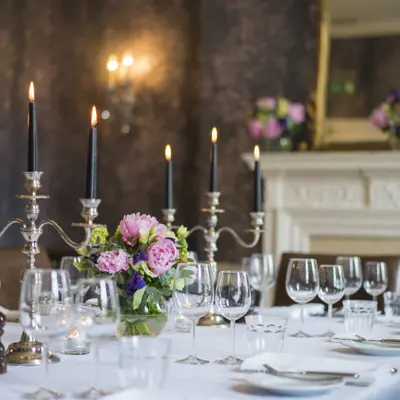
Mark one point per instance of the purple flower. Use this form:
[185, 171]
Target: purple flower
[272, 129]
[113, 261]
[141, 256]
[379, 118]
[162, 256]
[394, 97]
[255, 128]
[135, 283]
[297, 113]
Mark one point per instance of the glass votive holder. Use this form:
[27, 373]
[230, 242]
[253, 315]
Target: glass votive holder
[265, 333]
[359, 315]
[76, 343]
[391, 302]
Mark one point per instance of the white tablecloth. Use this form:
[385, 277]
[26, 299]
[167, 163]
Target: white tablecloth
[211, 381]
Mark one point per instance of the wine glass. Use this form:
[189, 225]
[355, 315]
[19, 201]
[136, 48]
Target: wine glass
[98, 315]
[46, 312]
[376, 279]
[193, 297]
[68, 264]
[331, 289]
[302, 284]
[352, 274]
[233, 299]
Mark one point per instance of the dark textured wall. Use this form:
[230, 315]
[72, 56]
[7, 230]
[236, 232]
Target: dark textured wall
[372, 65]
[210, 60]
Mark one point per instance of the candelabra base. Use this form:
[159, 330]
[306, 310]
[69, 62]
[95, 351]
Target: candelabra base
[212, 319]
[27, 351]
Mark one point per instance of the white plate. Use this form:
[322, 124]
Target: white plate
[374, 349]
[291, 387]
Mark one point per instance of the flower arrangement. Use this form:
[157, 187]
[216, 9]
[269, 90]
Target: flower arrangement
[386, 117]
[272, 119]
[141, 256]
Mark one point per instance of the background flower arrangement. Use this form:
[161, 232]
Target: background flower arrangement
[275, 123]
[141, 256]
[386, 117]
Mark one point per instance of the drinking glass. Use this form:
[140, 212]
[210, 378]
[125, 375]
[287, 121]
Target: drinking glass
[98, 318]
[193, 256]
[376, 279]
[331, 289]
[302, 284]
[392, 304]
[359, 315]
[46, 312]
[193, 297]
[143, 361]
[233, 300]
[352, 274]
[68, 264]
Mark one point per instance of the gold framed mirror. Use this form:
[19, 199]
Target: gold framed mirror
[358, 65]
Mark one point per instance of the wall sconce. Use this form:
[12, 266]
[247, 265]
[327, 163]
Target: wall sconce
[122, 77]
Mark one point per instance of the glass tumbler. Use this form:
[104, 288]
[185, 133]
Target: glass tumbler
[359, 315]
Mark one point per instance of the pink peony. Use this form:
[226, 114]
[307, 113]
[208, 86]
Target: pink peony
[266, 103]
[255, 128]
[379, 118]
[133, 225]
[162, 255]
[113, 261]
[297, 113]
[272, 129]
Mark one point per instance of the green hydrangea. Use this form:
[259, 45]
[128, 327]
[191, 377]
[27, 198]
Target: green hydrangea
[99, 236]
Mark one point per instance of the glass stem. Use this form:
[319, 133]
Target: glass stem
[45, 362]
[301, 317]
[375, 298]
[233, 325]
[194, 339]
[329, 317]
[95, 349]
[347, 297]
[262, 299]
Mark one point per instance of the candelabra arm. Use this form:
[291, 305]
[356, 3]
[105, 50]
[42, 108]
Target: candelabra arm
[10, 223]
[65, 237]
[197, 228]
[239, 240]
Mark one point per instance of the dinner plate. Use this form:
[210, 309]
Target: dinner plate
[292, 387]
[374, 349]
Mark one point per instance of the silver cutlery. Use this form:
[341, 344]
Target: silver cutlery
[390, 341]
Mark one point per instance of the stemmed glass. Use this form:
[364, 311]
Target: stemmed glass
[352, 274]
[376, 279]
[331, 289]
[233, 300]
[302, 284]
[68, 264]
[98, 318]
[193, 297]
[46, 312]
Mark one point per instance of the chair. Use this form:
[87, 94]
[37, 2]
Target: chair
[12, 262]
[393, 266]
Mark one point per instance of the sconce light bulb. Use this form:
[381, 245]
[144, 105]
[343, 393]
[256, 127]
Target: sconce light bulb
[127, 61]
[112, 63]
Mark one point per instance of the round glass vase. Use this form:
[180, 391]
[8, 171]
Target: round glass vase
[281, 144]
[394, 142]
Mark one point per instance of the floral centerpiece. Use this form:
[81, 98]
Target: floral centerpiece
[141, 257]
[275, 122]
[386, 117]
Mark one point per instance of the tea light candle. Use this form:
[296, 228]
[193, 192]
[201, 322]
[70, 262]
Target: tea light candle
[75, 339]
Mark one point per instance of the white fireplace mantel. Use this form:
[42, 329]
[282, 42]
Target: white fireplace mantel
[328, 194]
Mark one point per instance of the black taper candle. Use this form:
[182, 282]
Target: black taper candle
[91, 174]
[169, 189]
[257, 181]
[214, 162]
[32, 132]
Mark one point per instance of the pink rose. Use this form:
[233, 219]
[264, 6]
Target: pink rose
[266, 103]
[297, 113]
[272, 129]
[379, 118]
[133, 225]
[255, 128]
[162, 255]
[113, 261]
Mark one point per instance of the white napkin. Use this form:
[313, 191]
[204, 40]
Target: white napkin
[387, 388]
[294, 311]
[294, 362]
[11, 315]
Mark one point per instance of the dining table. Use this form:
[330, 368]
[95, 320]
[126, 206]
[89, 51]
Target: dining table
[210, 381]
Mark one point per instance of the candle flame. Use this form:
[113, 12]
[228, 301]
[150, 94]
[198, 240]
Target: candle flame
[214, 135]
[94, 116]
[112, 63]
[168, 152]
[74, 334]
[31, 92]
[256, 152]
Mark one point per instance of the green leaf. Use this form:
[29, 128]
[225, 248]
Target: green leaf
[137, 298]
[182, 232]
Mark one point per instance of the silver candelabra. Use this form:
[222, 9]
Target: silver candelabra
[28, 351]
[211, 235]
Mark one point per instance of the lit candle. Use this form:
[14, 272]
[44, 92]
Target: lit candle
[169, 191]
[213, 170]
[32, 131]
[257, 181]
[91, 176]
